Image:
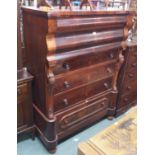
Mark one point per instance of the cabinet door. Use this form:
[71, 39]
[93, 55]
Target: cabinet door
[24, 106]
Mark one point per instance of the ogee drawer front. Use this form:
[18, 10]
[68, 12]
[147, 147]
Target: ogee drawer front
[75, 79]
[89, 23]
[21, 91]
[72, 60]
[73, 117]
[69, 98]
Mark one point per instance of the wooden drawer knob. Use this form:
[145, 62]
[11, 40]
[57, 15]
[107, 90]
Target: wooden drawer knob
[19, 91]
[125, 99]
[66, 66]
[128, 87]
[130, 75]
[106, 85]
[65, 101]
[111, 55]
[109, 70]
[134, 64]
[66, 84]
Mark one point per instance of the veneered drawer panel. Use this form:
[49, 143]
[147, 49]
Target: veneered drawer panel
[132, 67]
[132, 57]
[129, 87]
[76, 59]
[68, 99]
[130, 77]
[99, 86]
[21, 91]
[70, 81]
[128, 98]
[79, 114]
[83, 76]
[89, 23]
[72, 41]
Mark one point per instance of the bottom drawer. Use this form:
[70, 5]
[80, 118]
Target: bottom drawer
[79, 115]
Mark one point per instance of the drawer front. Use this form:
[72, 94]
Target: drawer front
[127, 99]
[81, 112]
[68, 99]
[99, 86]
[132, 57]
[74, 60]
[130, 77]
[21, 91]
[80, 77]
[129, 87]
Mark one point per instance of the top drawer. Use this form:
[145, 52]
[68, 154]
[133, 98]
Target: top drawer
[76, 59]
[90, 23]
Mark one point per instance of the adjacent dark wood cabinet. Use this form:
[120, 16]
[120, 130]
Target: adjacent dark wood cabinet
[127, 82]
[75, 58]
[19, 43]
[25, 124]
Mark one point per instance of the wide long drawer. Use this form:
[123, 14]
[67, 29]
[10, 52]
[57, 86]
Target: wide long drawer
[70, 98]
[72, 60]
[86, 75]
[77, 115]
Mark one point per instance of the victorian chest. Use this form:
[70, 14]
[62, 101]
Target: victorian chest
[75, 58]
[25, 124]
[128, 79]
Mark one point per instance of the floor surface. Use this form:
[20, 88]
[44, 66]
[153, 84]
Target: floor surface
[67, 147]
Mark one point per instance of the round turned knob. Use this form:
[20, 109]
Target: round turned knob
[66, 121]
[65, 101]
[66, 66]
[128, 87]
[125, 99]
[66, 84]
[130, 75]
[111, 55]
[134, 64]
[135, 54]
[106, 85]
[109, 70]
[19, 92]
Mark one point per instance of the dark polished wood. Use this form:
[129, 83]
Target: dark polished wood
[25, 124]
[75, 58]
[127, 80]
[19, 44]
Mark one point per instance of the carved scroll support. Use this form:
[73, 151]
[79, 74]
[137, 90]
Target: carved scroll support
[86, 2]
[51, 47]
[117, 69]
[67, 4]
[122, 49]
[49, 87]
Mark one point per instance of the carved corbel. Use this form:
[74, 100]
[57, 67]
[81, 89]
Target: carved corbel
[51, 81]
[123, 48]
[117, 69]
[86, 2]
[67, 3]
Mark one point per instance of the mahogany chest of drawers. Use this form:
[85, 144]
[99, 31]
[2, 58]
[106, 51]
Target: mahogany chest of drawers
[127, 80]
[25, 124]
[75, 58]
